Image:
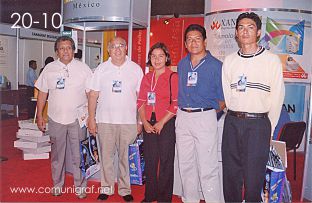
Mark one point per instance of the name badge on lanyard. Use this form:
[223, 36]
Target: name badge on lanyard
[241, 83]
[151, 98]
[192, 78]
[116, 87]
[60, 83]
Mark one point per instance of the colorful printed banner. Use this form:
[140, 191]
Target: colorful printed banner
[281, 38]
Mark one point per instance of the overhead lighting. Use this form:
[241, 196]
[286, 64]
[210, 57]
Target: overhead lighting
[167, 21]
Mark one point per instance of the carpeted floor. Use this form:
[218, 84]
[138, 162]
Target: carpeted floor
[35, 176]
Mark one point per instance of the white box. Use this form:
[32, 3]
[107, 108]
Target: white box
[28, 156]
[38, 150]
[29, 145]
[29, 124]
[28, 132]
[44, 138]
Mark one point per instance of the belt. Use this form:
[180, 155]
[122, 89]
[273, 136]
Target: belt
[196, 110]
[239, 114]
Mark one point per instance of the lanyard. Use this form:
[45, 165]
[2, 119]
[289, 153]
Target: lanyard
[193, 69]
[153, 88]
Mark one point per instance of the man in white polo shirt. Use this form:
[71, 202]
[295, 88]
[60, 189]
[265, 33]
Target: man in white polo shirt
[112, 106]
[65, 82]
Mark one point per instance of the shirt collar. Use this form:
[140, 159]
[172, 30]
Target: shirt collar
[204, 58]
[126, 61]
[63, 63]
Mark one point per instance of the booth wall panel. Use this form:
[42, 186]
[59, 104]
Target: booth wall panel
[48, 50]
[32, 50]
[8, 66]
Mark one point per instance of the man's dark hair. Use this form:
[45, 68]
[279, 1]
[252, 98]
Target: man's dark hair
[48, 60]
[250, 15]
[78, 55]
[162, 46]
[195, 27]
[31, 63]
[64, 38]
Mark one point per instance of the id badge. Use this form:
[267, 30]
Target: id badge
[116, 87]
[60, 84]
[241, 83]
[151, 98]
[192, 78]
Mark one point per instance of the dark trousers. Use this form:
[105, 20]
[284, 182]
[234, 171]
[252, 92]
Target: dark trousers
[245, 151]
[159, 152]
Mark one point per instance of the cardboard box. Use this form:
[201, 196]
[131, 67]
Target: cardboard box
[29, 145]
[29, 132]
[44, 138]
[28, 156]
[38, 150]
[29, 124]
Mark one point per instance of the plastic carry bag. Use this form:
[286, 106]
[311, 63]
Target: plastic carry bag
[89, 156]
[136, 162]
[274, 179]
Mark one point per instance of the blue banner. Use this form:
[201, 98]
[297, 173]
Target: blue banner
[294, 101]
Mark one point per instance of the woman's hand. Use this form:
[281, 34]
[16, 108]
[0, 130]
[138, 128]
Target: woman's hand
[158, 126]
[148, 127]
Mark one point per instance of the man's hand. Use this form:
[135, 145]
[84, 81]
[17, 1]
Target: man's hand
[41, 123]
[92, 126]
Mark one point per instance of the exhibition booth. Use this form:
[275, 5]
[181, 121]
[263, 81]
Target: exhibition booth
[286, 31]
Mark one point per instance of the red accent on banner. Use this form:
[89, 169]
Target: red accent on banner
[138, 45]
[171, 34]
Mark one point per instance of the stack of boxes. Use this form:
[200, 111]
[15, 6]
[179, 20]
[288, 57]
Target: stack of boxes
[34, 143]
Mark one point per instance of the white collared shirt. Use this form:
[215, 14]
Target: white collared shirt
[63, 103]
[117, 107]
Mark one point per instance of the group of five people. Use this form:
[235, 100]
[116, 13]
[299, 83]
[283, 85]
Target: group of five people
[176, 110]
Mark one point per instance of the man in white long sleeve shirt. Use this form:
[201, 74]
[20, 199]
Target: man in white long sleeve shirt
[254, 91]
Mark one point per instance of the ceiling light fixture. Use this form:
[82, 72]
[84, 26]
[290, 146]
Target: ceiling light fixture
[167, 21]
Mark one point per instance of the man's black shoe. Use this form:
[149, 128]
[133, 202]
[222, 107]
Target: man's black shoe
[128, 198]
[102, 197]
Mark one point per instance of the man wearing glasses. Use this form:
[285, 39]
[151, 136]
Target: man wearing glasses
[112, 115]
[65, 82]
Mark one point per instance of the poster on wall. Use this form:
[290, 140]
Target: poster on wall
[286, 38]
[287, 34]
[3, 52]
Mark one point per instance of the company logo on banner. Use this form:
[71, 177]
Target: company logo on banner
[215, 25]
[221, 36]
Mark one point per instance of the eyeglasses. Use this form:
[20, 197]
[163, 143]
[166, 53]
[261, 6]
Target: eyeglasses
[116, 46]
